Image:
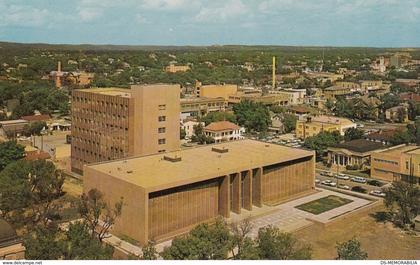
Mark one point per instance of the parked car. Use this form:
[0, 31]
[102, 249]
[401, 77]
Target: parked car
[317, 181]
[328, 183]
[378, 193]
[359, 189]
[358, 179]
[342, 176]
[343, 186]
[375, 182]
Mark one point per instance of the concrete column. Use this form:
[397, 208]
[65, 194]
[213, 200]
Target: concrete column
[248, 190]
[143, 223]
[236, 192]
[224, 197]
[257, 187]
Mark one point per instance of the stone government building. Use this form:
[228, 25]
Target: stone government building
[168, 194]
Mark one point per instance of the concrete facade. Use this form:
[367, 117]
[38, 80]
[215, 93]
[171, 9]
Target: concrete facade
[113, 123]
[168, 194]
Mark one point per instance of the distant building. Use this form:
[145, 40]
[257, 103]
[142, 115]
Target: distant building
[314, 125]
[215, 91]
[12, 128]
[397, 163]
[176, 68]
[397, 114]
[201, 106]
[382, 136]
[337, 91]
[294, 96]
[188, 127]
[113, 123]
[409, 97]
[35, 118]
[325, 76]
[11, 247]
[355, 153]
[223, 131]
[168, 194]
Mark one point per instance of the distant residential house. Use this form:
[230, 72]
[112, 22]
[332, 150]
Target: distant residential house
[276, 124]
[397, 114]
[382, 136]
[188, 127]
[12, 128]
[34, 118]
[410, 97]
[223, 131]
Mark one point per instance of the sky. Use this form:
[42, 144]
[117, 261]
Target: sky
[373, 23]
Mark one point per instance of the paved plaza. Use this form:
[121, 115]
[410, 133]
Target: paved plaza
[288, 218]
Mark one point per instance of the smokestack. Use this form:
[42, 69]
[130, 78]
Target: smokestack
[274, 72]
[58, 75]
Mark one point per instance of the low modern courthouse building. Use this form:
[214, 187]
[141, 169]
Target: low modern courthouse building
[168, 194]
[113, 123]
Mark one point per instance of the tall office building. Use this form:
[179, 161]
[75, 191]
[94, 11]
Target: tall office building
[113, 123]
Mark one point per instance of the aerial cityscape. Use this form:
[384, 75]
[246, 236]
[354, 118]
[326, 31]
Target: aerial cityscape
[220, 147]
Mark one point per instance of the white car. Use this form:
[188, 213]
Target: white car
[359, 179]
[317, 181]
[378, 193]
[343, 186]
[342, 176]
[329, 183]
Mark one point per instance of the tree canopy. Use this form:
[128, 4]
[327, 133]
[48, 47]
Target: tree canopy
[351, 250]
[255, 117]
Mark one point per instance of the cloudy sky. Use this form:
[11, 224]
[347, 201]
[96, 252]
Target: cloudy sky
[380, 23]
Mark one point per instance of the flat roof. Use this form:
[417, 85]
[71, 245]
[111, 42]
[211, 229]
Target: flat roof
[153, 173]
[399, 149]
[111, 91]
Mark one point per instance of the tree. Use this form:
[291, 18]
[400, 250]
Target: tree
[34, 128]
[353, 134]
[200, 137]
[149, 251]
[218, 116]
[75, 243]
[322, 141]
[289, 122]
[10, 151]
[351, 250]
[255, 117]
[94, 209]
[182, 133]
[79, 244]
[243, 247]
[204, 242]
[276, 245]
[403, 201]
[43, 244]
[33, 184]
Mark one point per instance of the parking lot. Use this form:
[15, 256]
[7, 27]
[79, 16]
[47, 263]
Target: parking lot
[343, 182]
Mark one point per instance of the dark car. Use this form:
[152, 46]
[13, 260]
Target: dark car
[359, 189]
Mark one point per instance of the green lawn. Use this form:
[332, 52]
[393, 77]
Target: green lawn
[323, 204]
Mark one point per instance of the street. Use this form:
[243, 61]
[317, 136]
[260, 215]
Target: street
[349, 183]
